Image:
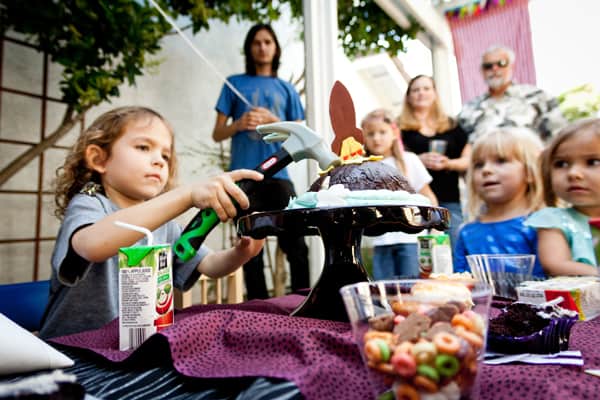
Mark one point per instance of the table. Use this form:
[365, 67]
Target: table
[259, 339]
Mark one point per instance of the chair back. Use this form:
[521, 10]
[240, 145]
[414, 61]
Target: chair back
[24, 303]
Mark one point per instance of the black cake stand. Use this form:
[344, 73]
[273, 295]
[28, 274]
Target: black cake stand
[341, 229]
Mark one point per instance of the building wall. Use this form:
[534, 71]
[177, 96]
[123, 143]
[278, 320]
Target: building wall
[183, 88]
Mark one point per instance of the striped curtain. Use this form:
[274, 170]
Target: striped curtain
[506, 25]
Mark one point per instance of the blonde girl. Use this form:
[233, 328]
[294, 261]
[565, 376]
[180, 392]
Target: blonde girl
[504, 187]
[395, 253]
[571, 175]
[122, 168]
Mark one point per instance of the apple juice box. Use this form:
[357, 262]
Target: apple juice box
[145, 293]
[435, 255]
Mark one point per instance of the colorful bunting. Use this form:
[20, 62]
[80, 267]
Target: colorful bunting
[474, 8]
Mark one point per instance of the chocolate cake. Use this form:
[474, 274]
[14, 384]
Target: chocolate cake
[527, 328]
[369, 175]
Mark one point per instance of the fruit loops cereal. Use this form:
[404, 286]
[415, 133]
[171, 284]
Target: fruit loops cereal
[426, 349]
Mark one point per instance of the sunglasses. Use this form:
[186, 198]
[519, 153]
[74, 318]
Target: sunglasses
[499, 64]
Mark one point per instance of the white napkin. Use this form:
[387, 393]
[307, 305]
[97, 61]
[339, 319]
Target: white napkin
[567, 357]
[21, 351]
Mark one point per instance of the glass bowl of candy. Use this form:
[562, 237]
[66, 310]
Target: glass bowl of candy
[420, 337]
[529, 328]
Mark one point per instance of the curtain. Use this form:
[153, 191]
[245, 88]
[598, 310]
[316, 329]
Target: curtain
[506, 25]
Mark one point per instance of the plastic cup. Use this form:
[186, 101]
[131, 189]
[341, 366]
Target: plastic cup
[437, 146]
[503, 272]
[394, 324]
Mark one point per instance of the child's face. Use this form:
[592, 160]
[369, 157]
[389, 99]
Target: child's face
[575, 172]
[499, 180]
[379, 137]
[137, 168]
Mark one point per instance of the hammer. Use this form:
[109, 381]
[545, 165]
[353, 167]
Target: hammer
[299, 142]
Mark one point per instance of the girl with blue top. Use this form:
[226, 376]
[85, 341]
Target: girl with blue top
[504, 187]
[571, 174]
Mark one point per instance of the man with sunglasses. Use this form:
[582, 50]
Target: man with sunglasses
[507, 103]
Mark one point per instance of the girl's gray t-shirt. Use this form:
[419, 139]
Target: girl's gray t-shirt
[85, 295]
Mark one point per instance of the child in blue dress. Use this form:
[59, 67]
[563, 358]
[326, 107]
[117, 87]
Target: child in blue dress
[571, 174]
[504, 187]
[123, 168]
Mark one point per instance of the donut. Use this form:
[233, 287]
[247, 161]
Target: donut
[446, 343]
[447, 365]
[462, 320]
[377, 350]
[404, 364]
[425, 383]
[406, 392]
[424, 351]
[404, 347]
[474, 339]
[428, 372]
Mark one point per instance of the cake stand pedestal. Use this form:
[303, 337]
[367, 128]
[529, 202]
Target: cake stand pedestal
[341, 229]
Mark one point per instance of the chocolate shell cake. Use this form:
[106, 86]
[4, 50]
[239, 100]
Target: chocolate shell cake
[369, 175]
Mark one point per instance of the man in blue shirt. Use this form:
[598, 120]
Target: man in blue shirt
[272, 100]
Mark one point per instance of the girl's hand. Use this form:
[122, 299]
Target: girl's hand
[220, 192]
[247, 248]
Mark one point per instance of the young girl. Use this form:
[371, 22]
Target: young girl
[571, 172]
[395, 253]
[504, 187]
[122, 168]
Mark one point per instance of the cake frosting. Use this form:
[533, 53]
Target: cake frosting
[340, 196]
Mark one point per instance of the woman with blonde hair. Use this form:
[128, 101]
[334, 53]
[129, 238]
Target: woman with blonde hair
[441, 144]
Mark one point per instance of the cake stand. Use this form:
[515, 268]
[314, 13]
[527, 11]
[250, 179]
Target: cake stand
[341, 229]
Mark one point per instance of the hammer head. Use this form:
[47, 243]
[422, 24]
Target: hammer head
[300, 142]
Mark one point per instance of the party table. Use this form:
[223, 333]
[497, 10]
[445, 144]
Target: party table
[299, 357]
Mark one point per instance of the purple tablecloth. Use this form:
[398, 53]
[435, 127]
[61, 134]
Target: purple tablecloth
[258, 338]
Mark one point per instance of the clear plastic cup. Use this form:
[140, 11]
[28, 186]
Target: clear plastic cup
[503, 272]
[419, 337]
[438, 146]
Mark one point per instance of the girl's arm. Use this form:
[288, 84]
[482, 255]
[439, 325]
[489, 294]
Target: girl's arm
[224, 262]
[101, 240]
[427, 192]
[555, 255]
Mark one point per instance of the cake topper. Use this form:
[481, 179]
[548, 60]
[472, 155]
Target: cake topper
[348, 142]
[343, 117]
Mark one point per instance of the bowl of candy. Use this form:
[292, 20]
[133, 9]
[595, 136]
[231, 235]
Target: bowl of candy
[420, 337]
[530, 328]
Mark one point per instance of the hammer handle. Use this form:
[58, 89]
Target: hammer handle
[205, 220]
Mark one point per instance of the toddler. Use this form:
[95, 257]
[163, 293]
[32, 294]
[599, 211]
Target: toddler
[504, 187]
[122, 168]
[395, 253]
[570, 173]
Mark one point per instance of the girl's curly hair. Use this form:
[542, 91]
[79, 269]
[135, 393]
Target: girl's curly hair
[103, 132]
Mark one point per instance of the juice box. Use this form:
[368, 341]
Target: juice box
[595, 229]
[145, 293]
[435, 255]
